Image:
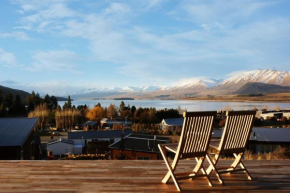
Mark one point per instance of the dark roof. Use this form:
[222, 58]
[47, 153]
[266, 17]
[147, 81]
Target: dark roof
[270, 135]
[217, 133]
[90, 123]
[15, 131]
[149, 137]
[98, 134]
[174, 121]
[144, 143]
[61, 140]
[111, 122]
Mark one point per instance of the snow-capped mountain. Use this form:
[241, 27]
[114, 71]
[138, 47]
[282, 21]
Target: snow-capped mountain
[281, 78]
[192, 86]
[122, 89]
[197, 83]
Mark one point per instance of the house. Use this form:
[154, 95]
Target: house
[136, 146]
[90, 126]
[17, 138]
[107, 123]
[172, 123]
[267, 115]
[265, 140]
[61, 147]
[95, 141]
[277, 114]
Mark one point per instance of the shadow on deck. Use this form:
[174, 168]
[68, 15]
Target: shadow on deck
[134, 176]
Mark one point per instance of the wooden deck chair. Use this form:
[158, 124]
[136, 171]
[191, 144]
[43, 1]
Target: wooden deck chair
[193, 143]
[234, 141]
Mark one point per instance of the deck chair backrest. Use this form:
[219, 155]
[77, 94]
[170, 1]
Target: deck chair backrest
[196, 133]
[237, 131]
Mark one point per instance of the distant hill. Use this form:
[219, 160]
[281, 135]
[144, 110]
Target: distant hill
[261, 88]
[14, 92]
[61, 98]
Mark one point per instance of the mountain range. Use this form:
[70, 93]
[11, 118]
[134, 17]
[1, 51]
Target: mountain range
[251, 82]
[197, 87]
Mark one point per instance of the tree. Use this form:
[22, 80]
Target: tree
[67, 105]
[112, 111]
[8, 101]
[95, 114]
[33, 100]
[133, 109]
[68, 102]
[18, 108]
[42, 113]
[1, 97]
[53, 101]
[67, 118]
[2, 110]
[121, 107]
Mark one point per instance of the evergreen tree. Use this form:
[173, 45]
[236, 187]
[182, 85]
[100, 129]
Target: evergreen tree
[121, 107]
[1, 97]
[67, 105]
[2, 110]
[47, 101]
[18, 108]
[133, 109]
[53, 101]
[8, 101]
[68, 102]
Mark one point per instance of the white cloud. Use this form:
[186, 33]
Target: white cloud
[18, 35]
[154, 3]
[223, 35]
[117, 8]
[55, 60]
[223, 10]
[7, 59]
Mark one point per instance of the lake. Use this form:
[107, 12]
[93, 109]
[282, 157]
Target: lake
[190, 105]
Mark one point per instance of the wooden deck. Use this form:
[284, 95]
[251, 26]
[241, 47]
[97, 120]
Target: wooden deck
[133, 176]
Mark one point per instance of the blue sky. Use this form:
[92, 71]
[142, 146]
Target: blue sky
[62, 46]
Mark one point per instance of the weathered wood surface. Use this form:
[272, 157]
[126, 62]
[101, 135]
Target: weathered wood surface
[134, 176]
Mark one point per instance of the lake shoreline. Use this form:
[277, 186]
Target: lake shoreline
[273, 98]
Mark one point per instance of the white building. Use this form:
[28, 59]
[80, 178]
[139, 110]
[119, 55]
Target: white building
[61, 147]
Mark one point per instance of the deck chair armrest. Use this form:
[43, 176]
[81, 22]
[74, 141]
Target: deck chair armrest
[172, 147]
[214, 144]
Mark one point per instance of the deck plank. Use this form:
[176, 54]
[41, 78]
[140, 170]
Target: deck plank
[134, 176]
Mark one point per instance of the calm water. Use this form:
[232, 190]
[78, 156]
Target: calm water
[184, 104]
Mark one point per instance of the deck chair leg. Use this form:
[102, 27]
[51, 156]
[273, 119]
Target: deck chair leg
[198, 167]
[245, 170]
[213, 168]
[202, 169]
[170, 168]
[239, 161]
[207, 177]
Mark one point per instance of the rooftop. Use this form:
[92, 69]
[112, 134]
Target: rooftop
[61, 140]
[98, 134]
[174, 121]
[137, 142]
[270, 135]
[14, 131]
[90, 123]
[134, 176]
